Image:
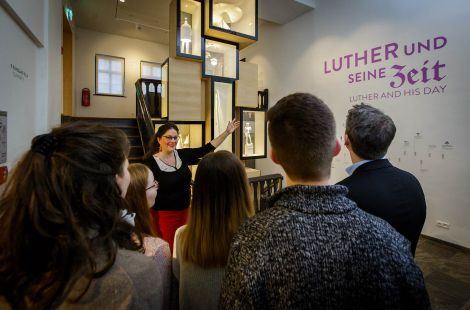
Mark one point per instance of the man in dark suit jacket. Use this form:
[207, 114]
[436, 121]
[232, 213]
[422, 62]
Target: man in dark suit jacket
[374, 184]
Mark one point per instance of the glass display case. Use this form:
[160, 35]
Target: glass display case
[164, 90]
[220, 111]
[233, 20]
[252, 134]
[185, 28]
[191, 134]
[220, 59]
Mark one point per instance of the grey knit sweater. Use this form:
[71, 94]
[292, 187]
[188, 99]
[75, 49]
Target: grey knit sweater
[314, 249]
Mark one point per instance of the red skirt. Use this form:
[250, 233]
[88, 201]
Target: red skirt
[167, 222]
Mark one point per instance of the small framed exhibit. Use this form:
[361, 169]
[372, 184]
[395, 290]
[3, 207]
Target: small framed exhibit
[164, 89]
[191, 134]
[252, 134]
[220, 59]
[185, 28]
[235, 21]
[220, 110]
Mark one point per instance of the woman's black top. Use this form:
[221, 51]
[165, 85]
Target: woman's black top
[174, 191]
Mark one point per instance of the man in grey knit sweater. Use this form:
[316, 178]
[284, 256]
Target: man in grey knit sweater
[314, 248]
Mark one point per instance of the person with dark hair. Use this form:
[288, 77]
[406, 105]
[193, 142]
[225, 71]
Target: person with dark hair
[221, 203]
[312, 248]
[62, 226]
[374, 184]
[170, 168]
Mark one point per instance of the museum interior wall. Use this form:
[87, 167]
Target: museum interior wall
[430, 107]
[87, 44]
[30, 70]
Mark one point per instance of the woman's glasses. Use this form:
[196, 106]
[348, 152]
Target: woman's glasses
[175, 138]
[155, 184]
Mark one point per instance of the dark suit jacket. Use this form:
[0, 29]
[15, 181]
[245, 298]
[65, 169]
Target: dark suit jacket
[391, 194]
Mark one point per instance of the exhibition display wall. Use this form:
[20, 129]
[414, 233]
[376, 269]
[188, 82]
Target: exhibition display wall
[409, 59]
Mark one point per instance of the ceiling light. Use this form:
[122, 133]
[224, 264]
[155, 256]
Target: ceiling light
[122, 1]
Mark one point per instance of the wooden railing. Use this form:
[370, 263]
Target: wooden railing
[264, 187]
[144, 119]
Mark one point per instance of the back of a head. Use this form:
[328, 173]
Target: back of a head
[221, 202]
[302, 135]
[370, 131]
[60, 205]
[136, 199]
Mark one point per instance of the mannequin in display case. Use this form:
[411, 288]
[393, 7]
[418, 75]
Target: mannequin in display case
[186, 35]
[248, 142]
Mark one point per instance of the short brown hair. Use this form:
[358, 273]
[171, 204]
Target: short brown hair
[221, 202]
[302, 135]
[137, 200]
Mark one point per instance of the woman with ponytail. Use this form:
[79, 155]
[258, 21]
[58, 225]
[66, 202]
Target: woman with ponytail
[63, 235]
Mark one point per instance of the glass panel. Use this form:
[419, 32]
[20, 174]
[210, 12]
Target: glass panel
[116, 66]
[190, 135]
[150, 70]
[103, 64]
[223, 100]
[239, 16]
[116, 89]
[165, 90]
[221, 59]
[253, 128]
[190, 27]
[103, 88]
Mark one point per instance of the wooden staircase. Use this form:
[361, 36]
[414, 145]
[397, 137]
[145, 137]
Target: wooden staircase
[128, 125]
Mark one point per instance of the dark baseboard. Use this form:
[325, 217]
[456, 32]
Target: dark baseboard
[462, 248]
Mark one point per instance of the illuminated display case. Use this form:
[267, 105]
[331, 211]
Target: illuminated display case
[220, 59]
[252, 134]
[220, 110]
[185, 29]
[164, 90]
[191, 134]
[232, 20]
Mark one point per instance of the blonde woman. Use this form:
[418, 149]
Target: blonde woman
[140, 197]
[221, 203]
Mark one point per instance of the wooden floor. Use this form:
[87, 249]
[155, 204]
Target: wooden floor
[446, 272]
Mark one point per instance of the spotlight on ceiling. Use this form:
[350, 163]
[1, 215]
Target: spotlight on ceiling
[122, 1]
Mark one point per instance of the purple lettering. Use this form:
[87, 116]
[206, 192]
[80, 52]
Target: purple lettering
[401, 77]
[340, 64]
[326, 69]
[351, 78]
[426, 47]
[374, 55]
[357, 58]
[424, 72]
[436, 42]
[408, 53]
[436, 68]
[391, 48]
[410, 76]
[348, 60]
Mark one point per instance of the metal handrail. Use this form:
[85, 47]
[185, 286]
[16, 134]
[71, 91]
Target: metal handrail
[264, 187]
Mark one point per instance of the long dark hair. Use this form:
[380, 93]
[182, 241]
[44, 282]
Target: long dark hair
[154, 146]
[221, 202]
[60, 214]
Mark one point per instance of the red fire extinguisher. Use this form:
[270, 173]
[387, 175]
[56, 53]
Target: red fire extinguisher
[85, 97]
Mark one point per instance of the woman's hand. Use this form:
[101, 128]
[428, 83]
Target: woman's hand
[232, 125]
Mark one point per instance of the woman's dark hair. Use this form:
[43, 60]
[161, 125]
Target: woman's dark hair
[60, 214]
[154, 146]
[221, 203]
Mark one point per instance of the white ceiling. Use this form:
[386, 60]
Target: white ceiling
[149, 19]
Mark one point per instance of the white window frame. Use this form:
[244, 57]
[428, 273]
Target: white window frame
[151, 64]
[110, 73]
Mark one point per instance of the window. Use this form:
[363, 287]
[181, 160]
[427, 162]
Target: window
[109, 75]
[150, 70]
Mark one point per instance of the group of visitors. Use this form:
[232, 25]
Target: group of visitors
[84, 229]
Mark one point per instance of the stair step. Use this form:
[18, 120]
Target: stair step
[136, 159]
[134, 140]
[105, 121]
[136, 151]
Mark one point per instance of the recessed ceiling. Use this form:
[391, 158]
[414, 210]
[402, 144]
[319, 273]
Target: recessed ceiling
[149, 19]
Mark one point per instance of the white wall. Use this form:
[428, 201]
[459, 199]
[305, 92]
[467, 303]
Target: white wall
[87, 44]
[30, 15]
[30, 76]
[291, 58]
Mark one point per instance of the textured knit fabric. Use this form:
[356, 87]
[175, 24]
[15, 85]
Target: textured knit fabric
[314, 249]
[159, 251]
[199, 288]
[174, 187]
[392, 194]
